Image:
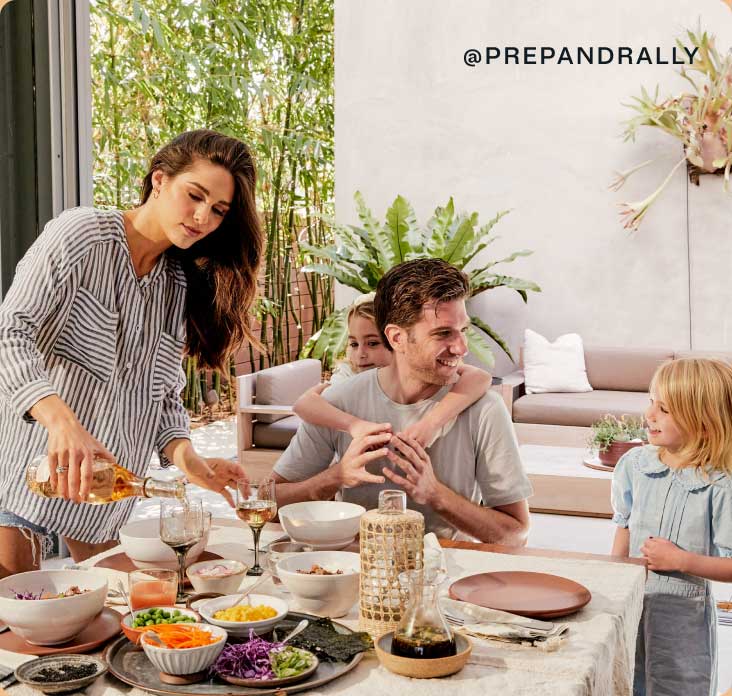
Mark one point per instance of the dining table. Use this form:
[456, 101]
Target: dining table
[595, 658]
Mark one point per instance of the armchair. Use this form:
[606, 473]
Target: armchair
[264, 413]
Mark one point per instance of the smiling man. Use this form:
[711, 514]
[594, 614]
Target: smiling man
[470, 482]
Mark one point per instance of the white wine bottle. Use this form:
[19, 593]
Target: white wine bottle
[110, 482]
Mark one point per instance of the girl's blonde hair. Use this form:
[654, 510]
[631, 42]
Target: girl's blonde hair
[363, 306]
[697, 393]
[365, 310]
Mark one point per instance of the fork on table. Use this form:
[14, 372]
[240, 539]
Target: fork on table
[454, 620]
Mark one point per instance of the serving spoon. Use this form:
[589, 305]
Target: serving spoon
[154, 637]
[250, 589]
[298, 629]
[121, 589]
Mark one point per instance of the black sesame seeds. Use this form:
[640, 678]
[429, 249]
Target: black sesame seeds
[65, 672]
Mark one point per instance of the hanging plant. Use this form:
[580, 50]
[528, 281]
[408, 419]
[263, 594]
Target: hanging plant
[701, 120]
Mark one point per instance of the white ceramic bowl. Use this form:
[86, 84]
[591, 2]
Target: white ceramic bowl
[140, 540]
[186, 660]
[241, 628]
[51, 621]
[325, 524]
[326, 595]
[227, 584]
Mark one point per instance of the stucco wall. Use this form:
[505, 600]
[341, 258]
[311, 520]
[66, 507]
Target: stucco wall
[543, 140]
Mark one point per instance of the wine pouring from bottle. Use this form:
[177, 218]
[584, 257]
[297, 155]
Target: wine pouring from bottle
[110, 482]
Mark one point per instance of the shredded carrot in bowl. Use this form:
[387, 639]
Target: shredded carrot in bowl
[181, 636]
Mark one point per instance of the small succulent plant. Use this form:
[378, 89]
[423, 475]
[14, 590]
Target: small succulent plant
[610, 429]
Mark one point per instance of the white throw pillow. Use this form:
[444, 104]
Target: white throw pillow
[554, 367]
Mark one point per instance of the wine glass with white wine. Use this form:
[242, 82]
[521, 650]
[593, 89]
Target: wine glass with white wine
[181, 528]
[256, 505]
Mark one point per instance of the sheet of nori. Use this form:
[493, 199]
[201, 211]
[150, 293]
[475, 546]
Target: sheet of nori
[322, 638]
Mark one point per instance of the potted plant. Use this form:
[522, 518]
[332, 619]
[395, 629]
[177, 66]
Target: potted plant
[359, 256]
[612, 437]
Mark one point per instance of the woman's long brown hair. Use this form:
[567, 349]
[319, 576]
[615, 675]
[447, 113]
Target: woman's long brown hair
[221, 269]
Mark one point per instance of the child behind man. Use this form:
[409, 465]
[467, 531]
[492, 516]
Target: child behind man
[673, 505]
[366, 350]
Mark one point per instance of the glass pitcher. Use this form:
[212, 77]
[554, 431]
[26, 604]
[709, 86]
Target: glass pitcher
[423, 631]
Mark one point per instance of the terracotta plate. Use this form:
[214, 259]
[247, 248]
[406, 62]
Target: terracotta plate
[121, 561]
[99, 631]
[272, 683]
[528, 594]
[595, 463]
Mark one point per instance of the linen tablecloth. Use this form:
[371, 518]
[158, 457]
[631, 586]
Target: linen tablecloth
[596, 659]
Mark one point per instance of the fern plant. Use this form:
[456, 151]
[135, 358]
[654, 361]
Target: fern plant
[361, 255]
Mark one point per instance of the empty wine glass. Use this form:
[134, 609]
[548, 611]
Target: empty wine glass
[181, 528]
[256, 505]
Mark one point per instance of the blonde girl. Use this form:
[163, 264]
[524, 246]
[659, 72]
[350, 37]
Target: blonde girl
[672, 501]
[366, 350]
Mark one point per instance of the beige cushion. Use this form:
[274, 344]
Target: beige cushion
[275, 435]
[283, 385]
[577, 409]
[623, 369]
[720, 355]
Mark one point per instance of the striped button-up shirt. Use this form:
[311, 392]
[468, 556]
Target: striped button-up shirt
[79, 323]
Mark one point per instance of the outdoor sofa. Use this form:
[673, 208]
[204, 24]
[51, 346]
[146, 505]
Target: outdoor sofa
[620, 378]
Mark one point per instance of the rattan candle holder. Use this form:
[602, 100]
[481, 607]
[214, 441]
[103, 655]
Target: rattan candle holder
[392, 541]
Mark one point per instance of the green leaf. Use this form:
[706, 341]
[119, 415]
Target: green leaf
[437, 230]
[346, 261]
[330, 342]
[483, 237]
[377, 236]
[158, 33]
[355, 244]
[352, 281]
[485, 281]
[477, 321]
[479, 347]
[461, 240]
[508, 259]
[400, 223]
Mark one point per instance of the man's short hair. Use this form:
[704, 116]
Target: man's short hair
[405, 288]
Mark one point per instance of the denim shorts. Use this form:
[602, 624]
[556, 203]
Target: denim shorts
[10, 519]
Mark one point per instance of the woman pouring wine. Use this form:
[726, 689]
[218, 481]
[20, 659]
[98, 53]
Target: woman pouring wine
[92, 333]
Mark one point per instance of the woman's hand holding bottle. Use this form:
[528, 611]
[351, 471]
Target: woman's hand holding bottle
[71, 449]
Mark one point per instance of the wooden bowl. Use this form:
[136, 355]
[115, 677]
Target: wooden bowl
[423, 668]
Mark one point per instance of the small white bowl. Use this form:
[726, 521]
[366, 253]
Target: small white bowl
[326, 595]
[227, 584]
[241, 628]
[186, 660]
[325, 524]
[140, 540]
[51, 621]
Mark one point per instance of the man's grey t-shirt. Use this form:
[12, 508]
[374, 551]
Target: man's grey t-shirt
[477, 455]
